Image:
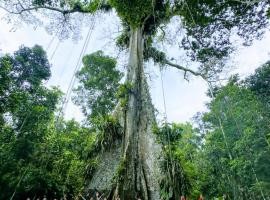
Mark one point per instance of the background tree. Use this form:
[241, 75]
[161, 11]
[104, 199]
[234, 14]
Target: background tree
[180, 145]
[99, 81]
[259, 83]
[236, 151]
[36, 158]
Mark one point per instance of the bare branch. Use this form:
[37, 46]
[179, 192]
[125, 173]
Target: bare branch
[187, 70]
[248, 2]
[183, 69]
[64, 12]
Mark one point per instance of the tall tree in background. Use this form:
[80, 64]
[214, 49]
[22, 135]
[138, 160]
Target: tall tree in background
[236, 149]
[207, 26]
[99, 81]
[260, 85]
[230, 158]
[27, 107]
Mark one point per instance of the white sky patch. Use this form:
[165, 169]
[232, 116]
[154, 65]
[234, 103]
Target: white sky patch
[183, 99]
[249, 58]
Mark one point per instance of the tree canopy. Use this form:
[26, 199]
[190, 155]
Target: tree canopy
[99, 81]
[207, 25]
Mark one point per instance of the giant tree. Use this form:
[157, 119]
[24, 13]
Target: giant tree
[207, 26]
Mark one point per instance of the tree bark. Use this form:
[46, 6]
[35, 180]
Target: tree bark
[140, 150]
[140, 153]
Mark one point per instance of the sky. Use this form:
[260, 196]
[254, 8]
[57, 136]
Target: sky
[182, 99]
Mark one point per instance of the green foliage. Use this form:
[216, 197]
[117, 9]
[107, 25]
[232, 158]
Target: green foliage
[23, 99]
[259, 82]
[230, 157]
[124, 92]
[202, 163]
[156, 55]
[133, 12]
[209, 24]
[108, 132]
[179, 145]
[76, 5]
[159, 15]
[41, 156]
[36, 158]
[236, 125]
[31, 65]
[98, 84]
[93, 6]
[168, 134]
[62, 162]
[123, 40]
[120, 172]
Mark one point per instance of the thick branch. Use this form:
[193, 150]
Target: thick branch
[160, 57]
[183, 68]
[248, 2]
[187, 70]
[46, 7]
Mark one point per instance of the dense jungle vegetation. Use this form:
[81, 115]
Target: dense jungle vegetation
[42, 154]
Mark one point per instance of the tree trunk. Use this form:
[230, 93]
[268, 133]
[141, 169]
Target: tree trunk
[140, 154]
[140, 151]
